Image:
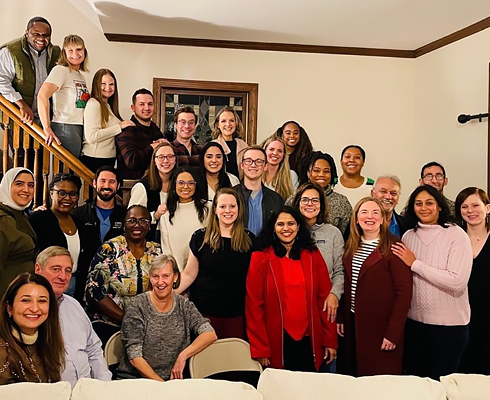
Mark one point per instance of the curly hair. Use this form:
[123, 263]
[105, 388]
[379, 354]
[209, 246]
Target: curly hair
[309, 162]
[411, 218]
[302, 149]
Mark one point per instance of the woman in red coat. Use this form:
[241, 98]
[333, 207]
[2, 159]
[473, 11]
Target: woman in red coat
[378, 291]
[287, 285]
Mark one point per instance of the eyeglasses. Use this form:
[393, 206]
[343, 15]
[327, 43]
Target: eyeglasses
[259, 162]
[306, 200]
[143, 222]
[184, 122]
[184, 183]
[429, 177]
[62, 194]
[169, 157]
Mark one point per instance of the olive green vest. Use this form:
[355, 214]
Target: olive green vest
[25, 77]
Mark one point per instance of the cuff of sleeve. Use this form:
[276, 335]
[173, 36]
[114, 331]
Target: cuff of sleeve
[416, 266]
[134, 351]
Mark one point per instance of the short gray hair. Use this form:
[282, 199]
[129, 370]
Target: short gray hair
[159, 262]
[52, 251]
[394, 178]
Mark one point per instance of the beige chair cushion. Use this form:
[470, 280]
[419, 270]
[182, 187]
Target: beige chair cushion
[466, 386]
[146, 389]
[36, 391]
[286, 385]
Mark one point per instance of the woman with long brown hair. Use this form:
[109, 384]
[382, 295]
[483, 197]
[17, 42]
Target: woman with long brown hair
[102, 122]
[217, 266]
[152, 190]
[298, 144]
[377, 294]
[228, 131]
[278, 176]
[31, 343]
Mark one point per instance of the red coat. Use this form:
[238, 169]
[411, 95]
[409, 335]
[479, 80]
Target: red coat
[383, 295]
[264, 303]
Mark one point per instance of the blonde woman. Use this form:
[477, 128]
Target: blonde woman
[228, 130]
[218, 264]
[102, 122]
[66, 84]
[278, 176]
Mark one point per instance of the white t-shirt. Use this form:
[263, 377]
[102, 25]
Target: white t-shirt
[74, 248]
[70, 99]
[354, 195]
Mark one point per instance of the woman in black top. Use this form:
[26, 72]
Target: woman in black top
[57, 227]
[218, 264]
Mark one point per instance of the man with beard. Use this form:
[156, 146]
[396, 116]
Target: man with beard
[103, 218]
[135, 144]
[387, 190]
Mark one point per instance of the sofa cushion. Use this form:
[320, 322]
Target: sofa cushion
[286, 385]
[36, 391]
[466, 386]
[146, 389]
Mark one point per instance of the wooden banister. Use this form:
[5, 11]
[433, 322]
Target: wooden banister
[11, 121]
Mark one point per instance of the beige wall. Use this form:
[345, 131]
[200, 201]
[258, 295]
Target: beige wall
[403, 112]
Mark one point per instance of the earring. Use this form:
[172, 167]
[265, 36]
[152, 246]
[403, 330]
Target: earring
[174, 285]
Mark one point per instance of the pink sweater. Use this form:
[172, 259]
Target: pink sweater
[440, 274]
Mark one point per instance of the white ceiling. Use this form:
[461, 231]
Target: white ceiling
[385, 24]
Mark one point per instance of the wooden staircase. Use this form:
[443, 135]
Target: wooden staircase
[44, 161]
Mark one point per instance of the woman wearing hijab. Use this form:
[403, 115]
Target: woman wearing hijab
[17, 238]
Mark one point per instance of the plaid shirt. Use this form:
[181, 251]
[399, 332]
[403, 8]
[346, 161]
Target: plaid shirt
[185, 159]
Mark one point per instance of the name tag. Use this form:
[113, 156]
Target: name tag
[117, 225]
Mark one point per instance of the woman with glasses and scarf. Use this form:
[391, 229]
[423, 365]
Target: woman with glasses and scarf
[57, 227]
[119, 271]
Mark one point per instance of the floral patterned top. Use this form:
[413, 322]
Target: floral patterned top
[116, 273]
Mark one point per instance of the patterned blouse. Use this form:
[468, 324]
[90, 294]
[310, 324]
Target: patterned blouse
[117, 274]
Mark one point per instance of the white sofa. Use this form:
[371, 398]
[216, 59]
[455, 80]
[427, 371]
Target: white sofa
[273, 385]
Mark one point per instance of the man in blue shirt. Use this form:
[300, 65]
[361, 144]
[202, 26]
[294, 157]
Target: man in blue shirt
[259, 201]
[84, 356]
[387, 189]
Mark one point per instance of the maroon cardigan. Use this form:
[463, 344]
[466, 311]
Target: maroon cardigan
[264, 303]
[383, 295]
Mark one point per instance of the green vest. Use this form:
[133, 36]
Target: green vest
[25, 77]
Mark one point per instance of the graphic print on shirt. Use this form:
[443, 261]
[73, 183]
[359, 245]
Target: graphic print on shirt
[83, 94]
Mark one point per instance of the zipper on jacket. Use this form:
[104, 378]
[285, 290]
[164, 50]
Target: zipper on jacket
[280, 310]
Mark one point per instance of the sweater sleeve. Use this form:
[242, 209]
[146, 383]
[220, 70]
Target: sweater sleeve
[133, 155]
[132, 327]
[459, 263]
[329, 329]
[92, 128]
[255, 307]
[338, 266]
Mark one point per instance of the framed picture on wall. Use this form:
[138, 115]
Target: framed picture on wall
[207, 98]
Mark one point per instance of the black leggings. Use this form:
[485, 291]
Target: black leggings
[298, 354]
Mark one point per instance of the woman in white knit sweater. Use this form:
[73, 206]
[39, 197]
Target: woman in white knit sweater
[102, 122]
[440, 257]
[187, 211]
